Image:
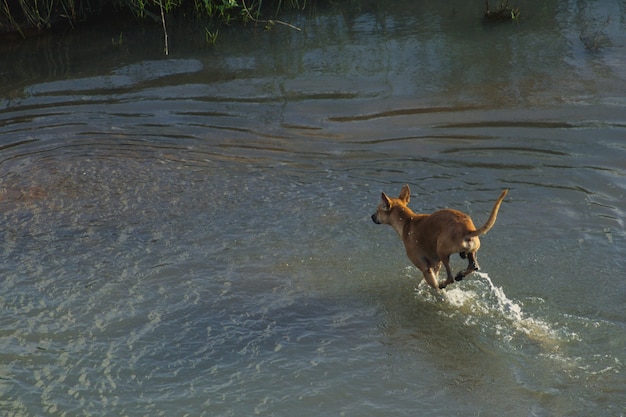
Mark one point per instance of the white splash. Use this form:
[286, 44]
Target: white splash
[534, 328]
[508, 308]
[480, 302]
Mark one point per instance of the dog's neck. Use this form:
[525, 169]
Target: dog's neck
[401, 217]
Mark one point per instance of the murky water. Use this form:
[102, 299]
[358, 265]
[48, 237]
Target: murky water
[191, 235]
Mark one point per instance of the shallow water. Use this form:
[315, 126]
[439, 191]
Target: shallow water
[191, 235]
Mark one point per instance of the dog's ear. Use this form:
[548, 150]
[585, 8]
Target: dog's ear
[386, 201]
[405, 194]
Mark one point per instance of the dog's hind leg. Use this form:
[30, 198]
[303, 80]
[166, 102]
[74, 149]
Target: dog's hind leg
[472, 265]
[473, 262]
[449, 280]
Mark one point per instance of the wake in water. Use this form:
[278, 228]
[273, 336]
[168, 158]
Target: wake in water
[485, 305]
[546, 348]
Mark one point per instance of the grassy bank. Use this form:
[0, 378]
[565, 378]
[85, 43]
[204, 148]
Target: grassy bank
[28, 17]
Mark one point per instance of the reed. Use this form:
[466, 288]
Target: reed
[224, 11]
[21, 15]
[32, 16]
[501, 13]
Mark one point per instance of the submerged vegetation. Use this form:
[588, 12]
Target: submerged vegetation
[26, 17]
[502, 12]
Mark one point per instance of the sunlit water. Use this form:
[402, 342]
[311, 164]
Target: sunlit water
[191, 235]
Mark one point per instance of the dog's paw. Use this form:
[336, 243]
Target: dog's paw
[459, 276]
[442, 286]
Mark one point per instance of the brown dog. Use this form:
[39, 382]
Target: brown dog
[430, 239]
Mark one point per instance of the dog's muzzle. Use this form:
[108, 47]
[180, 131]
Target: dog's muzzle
[375, 219]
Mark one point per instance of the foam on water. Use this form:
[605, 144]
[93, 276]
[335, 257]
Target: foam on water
[481, 303]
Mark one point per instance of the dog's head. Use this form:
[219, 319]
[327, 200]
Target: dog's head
[384, 209]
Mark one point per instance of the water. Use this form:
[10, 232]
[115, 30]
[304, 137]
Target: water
[191, 235]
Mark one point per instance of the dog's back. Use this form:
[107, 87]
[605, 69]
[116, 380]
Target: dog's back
[442, 232]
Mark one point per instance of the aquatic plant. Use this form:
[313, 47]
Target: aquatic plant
[117, 42]
[32, 16]
[501, 12]
[225, 10]
[28, 16]
[210, 37]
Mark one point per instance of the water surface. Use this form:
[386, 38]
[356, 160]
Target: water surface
[190, 235]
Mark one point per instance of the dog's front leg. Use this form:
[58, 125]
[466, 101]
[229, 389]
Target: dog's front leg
[431, 277]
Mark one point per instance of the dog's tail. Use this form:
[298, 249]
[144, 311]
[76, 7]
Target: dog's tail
[492, 218]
